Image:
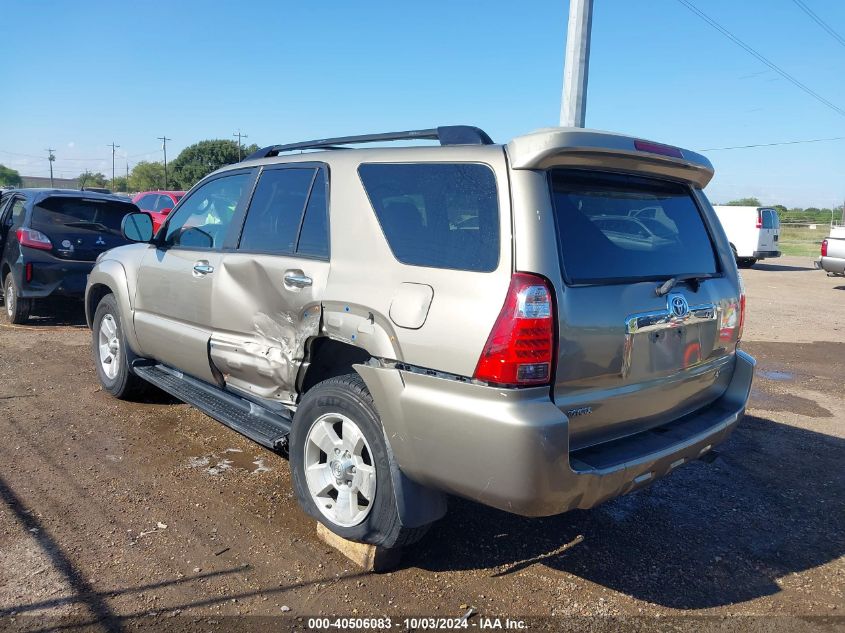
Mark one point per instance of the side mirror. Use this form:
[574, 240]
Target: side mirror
[137, 227]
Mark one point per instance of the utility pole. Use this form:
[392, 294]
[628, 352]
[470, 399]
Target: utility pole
[240, 136]
[50, 158]
[164, 140]
[113, 148]
[576, 66]
[127, 175]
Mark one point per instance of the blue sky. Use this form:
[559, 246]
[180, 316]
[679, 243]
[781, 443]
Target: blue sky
[80, 75]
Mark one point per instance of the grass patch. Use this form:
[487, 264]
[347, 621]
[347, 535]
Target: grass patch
[802, 241]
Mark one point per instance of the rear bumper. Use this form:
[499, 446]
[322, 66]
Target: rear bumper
[509, 448]
[54, 277]
[765, 254]
[831, 264]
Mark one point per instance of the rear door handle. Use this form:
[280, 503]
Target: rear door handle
[297, 280]
[203, 268]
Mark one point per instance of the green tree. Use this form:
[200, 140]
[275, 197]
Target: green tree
[91, 179]
[745, 202]
[146, 176]
[200, 159]
[9, 176]
[120, 183]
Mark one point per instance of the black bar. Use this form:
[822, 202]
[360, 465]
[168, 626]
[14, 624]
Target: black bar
[447, 135]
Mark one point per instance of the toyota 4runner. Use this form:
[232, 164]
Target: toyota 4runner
[537, 326]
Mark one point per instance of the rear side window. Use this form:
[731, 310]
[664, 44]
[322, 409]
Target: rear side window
[18, 211]
[314, 237]
[615, 228]
[147, 203]
[80, 214]
[288, 214]
[441, 215]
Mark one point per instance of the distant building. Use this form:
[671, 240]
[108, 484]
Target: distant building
[58, 183]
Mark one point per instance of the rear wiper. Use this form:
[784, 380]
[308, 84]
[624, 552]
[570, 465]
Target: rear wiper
[670, 283]
[96, 225]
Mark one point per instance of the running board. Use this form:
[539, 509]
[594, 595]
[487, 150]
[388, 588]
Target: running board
[247, 418]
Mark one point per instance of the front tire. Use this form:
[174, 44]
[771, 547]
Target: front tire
[17, 308]
[340, 464]
[111, 354]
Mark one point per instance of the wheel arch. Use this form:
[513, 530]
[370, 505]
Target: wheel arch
[109, 277]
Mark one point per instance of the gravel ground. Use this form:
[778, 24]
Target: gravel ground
[151, 515]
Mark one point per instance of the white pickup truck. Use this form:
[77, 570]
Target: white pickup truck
[832, 257]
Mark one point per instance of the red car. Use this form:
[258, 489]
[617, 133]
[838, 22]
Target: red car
[158, 204]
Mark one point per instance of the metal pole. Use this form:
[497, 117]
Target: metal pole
[50, 158]
[573, 107]
[240, 136]
[164, 140]
[113, 148]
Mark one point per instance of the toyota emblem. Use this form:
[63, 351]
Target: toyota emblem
[678, 306]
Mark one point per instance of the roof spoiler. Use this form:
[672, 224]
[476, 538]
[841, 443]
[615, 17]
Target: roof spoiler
[578, 147]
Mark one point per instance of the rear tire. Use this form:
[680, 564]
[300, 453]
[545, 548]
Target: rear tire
[17, 308]
[111, 354]
[339, 458]
[746, 262]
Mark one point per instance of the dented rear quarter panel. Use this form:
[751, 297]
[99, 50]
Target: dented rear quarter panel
[366, 279]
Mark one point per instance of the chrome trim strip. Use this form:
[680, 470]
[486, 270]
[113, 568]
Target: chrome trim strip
[661, 320]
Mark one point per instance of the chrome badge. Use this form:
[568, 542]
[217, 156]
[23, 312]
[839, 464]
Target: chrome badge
[678, 305]
[574, 413]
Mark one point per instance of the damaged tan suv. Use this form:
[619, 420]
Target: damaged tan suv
[537, 326]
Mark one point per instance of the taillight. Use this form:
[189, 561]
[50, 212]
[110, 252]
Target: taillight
[759, 219]
[824, 248]
[520, 349]
[741, 317]
[33, 239]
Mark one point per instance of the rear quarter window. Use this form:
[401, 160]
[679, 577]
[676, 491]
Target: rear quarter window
[439, 215]
[616, 228]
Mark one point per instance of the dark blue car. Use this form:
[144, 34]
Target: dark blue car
[49, 240]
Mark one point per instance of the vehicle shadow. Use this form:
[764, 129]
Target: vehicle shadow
[708, 535]
[781, 267]
[97, 612]
[53, 313]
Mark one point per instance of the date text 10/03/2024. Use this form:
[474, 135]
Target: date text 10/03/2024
[417, 623]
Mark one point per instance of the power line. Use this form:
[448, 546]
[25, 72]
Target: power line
[812, 140]
[820, 22]
[766, 61]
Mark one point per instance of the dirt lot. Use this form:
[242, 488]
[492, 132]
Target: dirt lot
[150, 513]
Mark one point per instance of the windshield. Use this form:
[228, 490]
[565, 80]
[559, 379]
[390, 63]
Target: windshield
[81, 214]
[615, 227]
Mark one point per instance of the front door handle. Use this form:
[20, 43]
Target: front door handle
[203, 268]
[297, 280]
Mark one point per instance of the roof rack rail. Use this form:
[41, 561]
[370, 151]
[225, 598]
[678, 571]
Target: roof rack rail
[446, 134]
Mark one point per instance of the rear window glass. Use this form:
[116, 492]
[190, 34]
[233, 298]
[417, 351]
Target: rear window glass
[614, 227]
[81, 214]
[440, 215]
[770, 219]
